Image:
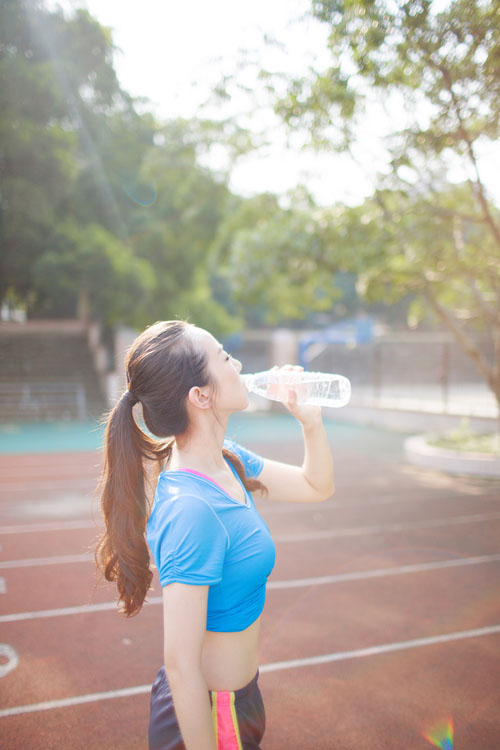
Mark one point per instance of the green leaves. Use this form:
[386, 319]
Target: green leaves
[90, 260]
[451, 58]
[98, 202]
[275, 259]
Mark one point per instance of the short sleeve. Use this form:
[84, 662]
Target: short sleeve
[252, 462]
[188, 542]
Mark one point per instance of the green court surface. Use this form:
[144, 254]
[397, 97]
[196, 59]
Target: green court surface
[50, 437]
[62, 437]
[254, 428]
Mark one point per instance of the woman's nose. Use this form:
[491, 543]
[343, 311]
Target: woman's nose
[238, 364]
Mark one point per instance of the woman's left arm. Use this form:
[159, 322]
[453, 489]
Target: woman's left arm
[313, 481]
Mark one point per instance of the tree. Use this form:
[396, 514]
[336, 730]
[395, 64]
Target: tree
[58, 85]
[267, 256]
[103, 211]
[36, 150]
[98, 271]
[174, 230]
[420, 232]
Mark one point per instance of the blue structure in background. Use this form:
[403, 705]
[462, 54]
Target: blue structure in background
[350, 332]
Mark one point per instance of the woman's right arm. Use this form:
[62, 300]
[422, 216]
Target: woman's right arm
[185, 618]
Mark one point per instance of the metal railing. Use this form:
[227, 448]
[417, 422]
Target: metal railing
[417, 375]
[38, 399]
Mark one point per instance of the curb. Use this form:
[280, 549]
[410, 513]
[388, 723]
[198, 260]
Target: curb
[420, 453]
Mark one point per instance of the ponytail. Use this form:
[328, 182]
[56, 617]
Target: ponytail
[122, 553]
[251, 483]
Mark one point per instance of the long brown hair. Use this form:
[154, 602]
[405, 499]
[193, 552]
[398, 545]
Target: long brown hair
[162, 366]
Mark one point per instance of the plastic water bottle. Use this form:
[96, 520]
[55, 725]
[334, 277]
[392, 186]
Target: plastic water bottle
[315, 388]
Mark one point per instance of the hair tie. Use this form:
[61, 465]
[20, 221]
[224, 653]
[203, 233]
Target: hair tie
[130, 396]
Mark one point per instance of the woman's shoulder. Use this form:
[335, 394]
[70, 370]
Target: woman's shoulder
[181, 503]
[173, 485]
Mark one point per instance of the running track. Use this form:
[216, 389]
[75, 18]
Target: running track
[382, 616]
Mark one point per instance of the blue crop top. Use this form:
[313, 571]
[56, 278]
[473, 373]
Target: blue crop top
[198, 534]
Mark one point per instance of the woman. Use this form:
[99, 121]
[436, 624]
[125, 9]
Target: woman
[212, 549]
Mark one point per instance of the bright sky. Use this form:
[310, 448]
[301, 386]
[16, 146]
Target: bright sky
[173, 52]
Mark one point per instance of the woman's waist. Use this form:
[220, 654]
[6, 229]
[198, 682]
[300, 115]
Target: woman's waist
[230, 660]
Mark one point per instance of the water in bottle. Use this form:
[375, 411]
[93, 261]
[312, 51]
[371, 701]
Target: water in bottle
[315, 388]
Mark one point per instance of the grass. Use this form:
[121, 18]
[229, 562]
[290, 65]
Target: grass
[461, 439]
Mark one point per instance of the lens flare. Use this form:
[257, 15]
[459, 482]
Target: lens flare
[143, 195]
[440, 734]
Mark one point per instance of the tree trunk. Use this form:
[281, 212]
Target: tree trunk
[83, 306]
[490, 372]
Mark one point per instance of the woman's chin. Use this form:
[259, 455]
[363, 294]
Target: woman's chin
[244, 403]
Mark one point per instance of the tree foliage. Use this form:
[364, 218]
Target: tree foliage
[420, 232]
[103, 210]
[268, 256]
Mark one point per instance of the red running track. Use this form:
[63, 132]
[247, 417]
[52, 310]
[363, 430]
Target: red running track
[382, 615]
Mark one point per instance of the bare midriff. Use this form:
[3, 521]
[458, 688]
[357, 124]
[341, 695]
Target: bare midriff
[230, 660]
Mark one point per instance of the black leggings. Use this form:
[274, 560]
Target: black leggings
[239, 717]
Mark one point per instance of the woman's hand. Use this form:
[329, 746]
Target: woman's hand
[289, 395]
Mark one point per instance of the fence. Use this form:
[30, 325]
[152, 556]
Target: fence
[427, 373]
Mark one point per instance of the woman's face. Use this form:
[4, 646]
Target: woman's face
[231, 393]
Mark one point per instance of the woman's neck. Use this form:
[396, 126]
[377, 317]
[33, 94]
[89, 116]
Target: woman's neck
[200, 450]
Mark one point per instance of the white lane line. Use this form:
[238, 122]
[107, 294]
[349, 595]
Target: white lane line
[81, 609]
[271, 667]
[24, 528]
[63, 484]
[3, 585]
[383, 572]
[384, 648]
[35, 562]
[75, 700]
[266, 509]
[291, 583]
[12, 659]
[83, 524]
[299, 537]
[384, 529]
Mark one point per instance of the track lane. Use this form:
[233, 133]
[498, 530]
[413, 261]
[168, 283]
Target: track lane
[74, 583]
[387, 701]
[99, 600]
[346, 705]
[295, 626]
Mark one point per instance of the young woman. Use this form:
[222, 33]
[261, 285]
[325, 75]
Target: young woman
[212, 549]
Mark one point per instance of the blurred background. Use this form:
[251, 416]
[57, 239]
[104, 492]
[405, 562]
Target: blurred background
[313, 181]
[310, 183]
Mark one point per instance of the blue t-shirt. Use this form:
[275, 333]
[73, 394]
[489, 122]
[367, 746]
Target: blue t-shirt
[198, 534]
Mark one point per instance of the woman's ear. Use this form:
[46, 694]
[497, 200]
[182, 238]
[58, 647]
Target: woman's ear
[199, 397]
